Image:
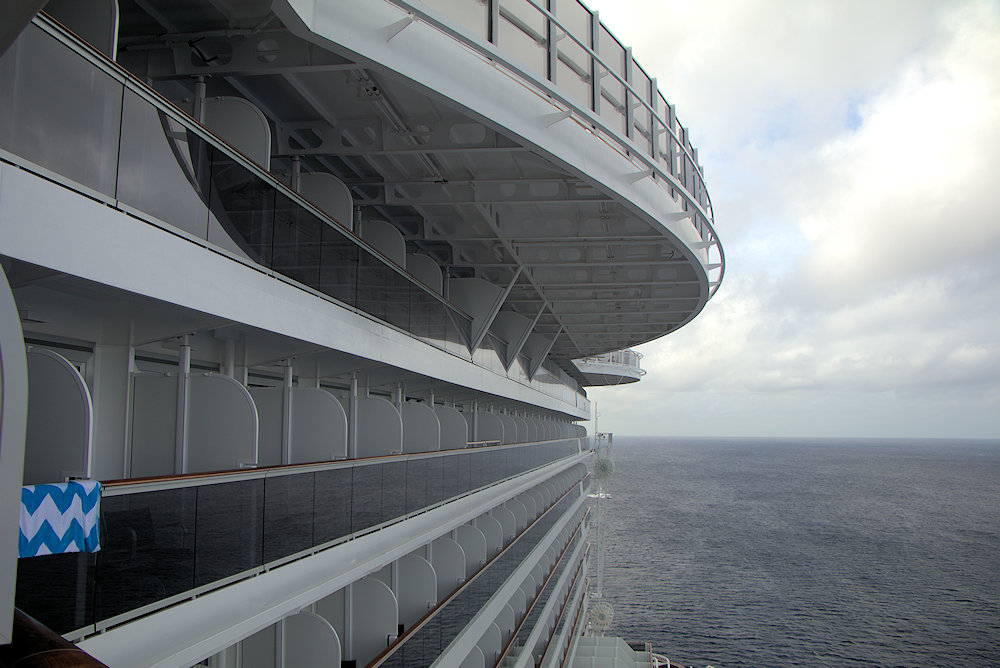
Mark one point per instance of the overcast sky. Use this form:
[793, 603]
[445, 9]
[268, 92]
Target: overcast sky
[852, 153]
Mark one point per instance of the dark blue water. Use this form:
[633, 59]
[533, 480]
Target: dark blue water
[741, 552]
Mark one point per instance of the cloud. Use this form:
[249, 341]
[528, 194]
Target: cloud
[852, 151]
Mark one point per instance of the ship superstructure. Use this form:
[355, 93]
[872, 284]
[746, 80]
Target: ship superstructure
[302, 284]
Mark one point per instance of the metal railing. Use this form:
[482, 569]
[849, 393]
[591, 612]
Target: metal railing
[124, 144]
[166, 540]
[626, 110]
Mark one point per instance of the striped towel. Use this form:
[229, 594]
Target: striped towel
[59, 518]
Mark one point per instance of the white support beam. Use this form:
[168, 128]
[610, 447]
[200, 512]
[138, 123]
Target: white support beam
[13, 420]
[483, 326]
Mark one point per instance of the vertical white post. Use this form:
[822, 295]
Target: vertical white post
[286, 415]
[346, 642]
[475, 420]
[229, 357]
[352, 420]
[200, 91]
[183, 393]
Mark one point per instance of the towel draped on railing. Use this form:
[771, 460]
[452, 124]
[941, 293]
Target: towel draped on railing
[60, 517]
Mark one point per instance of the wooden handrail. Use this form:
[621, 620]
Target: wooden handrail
[37, 646]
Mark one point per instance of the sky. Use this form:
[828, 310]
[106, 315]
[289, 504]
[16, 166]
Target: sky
[852, 154]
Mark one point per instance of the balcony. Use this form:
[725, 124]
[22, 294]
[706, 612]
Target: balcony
[614, 368]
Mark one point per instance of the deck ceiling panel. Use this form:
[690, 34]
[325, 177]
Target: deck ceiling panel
[475, 197]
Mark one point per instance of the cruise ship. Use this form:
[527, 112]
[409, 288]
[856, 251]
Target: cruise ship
[299, 305]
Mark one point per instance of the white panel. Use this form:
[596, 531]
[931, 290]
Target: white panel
[539, 500]
[534, 431]
[222, 424]
[505, 622]
[490, 427]
[241, 124]
[475, 659]
[331, 608]
[529, 588]
[319, 426]
[510, 326]
[374, 618]
[492, 531]
[268, 401]
[520, 514]
[259, 649]
[416, 589]
[473, 543]
[454, 428]
[507, 521]
[448, 560]
[519, 602]
[330, 194]
[386, 239]
[109, 379]
[13, 416]
[421, 429]
[380, 429]
[509, 429]
[154, 420]
[490, 644]
[58, 437]
[473, 295]
[522, 430]
[426, 270]
[530, 507]
[309, 641]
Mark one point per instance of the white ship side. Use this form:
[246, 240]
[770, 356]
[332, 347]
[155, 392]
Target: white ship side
[314, 288]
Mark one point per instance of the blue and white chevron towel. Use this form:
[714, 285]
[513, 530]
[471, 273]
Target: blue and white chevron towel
[58, 518]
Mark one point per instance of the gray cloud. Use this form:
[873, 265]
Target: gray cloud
[852, 151]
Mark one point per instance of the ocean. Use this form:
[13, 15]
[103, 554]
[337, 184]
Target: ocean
[806, 552]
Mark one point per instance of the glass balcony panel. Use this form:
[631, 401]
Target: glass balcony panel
[332, 503]
[59, 111]
[393, 490]
[397, 308]
[449, 477]
[435, 480]
[230, 530]
[465, 476]
[297, 242]
[288, 515]
[612, 52]
[373, 277]
[416, 484]
[366, 497]
[613, 104]
[523, 35]
[471, 15]
[575, 17]
[148, 549]
[338, 274]
[58, 590]
[163, 167]
[573, 73]
[243, 205]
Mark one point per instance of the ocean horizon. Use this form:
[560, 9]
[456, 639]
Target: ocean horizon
[806, 551]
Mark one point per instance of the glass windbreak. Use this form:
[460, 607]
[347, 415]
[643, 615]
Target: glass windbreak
[119, 143]
[426, 644]
[160, 544]
[79, 140]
